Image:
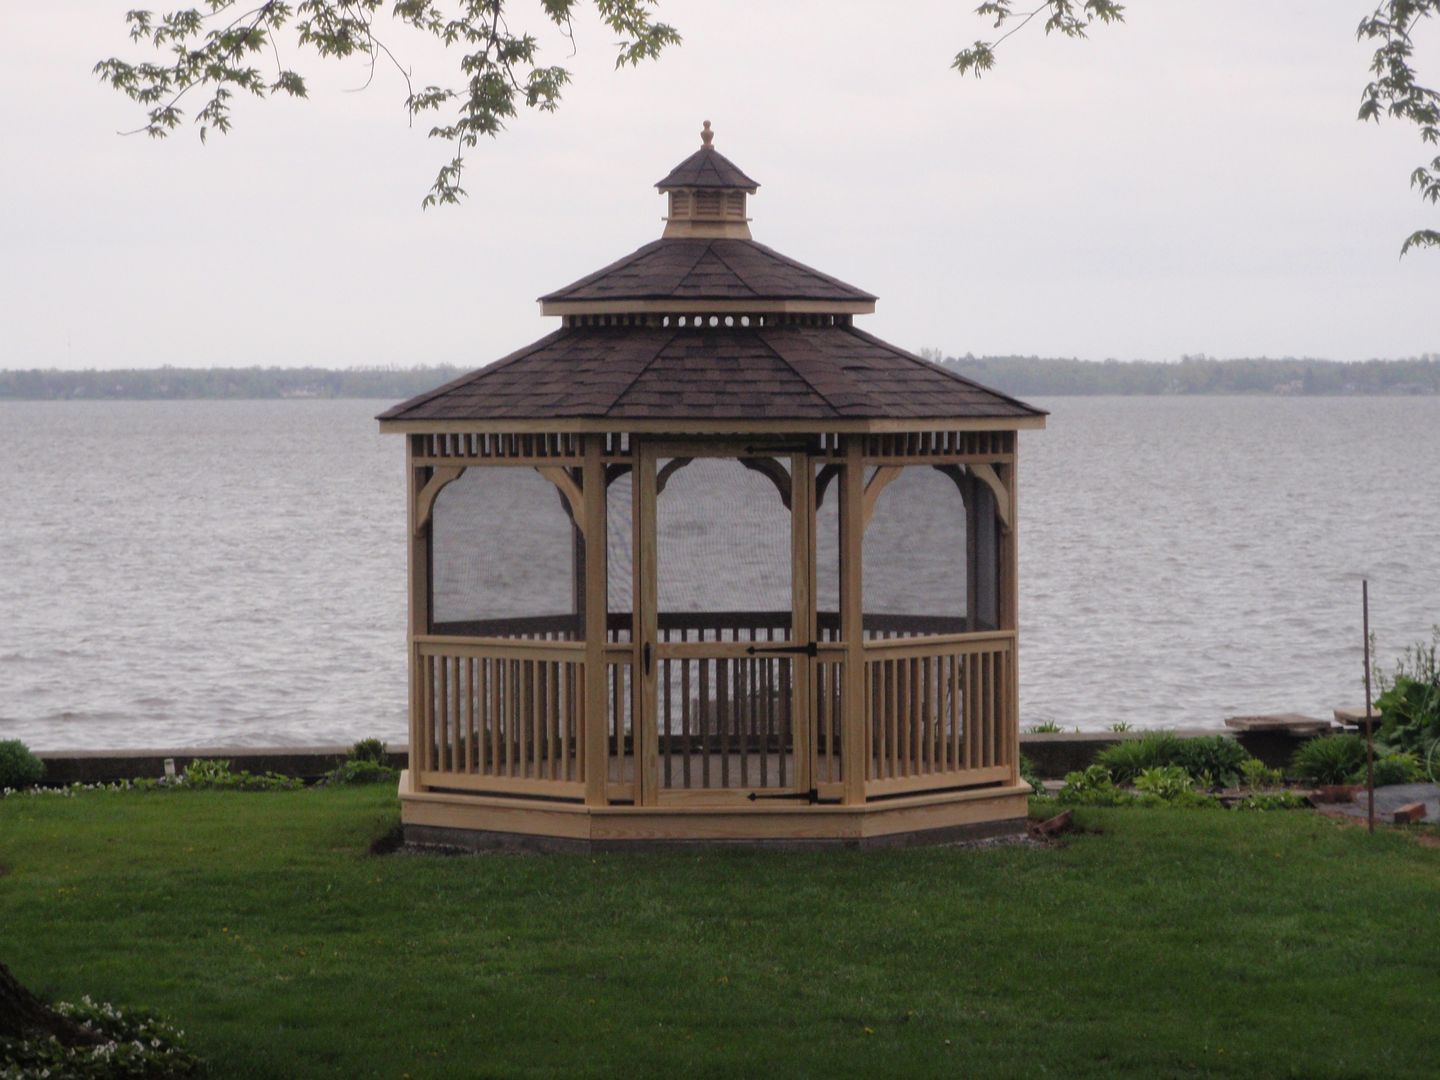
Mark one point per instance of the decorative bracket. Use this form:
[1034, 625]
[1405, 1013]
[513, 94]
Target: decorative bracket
[874, 486]
[987, 475]
[425, 501]
[777, 474]
[561, 478]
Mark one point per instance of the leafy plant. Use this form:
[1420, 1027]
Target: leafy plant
[136, 1044]
[1127, 760]
[1164, 781]
[1030, 776]
[368, 750]
[207, 773]
[1121, 725]
[1045, 727]
[19, 768]
[1409, 701]
[1093, 787]
[1255, 774]
[1214, 760]
[1272, 800]
[1330, 759]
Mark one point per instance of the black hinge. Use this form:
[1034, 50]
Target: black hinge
[645, 653]
[811, 649]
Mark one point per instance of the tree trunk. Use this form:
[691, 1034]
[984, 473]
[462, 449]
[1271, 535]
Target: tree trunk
[23, 1015]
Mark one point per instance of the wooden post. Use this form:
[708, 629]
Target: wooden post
[596, 669]
[804, 630]
[644, 737]
[1010, 610]
[852, 533]
[419, 610]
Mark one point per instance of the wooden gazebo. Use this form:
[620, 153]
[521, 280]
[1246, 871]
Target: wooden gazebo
[710, 563]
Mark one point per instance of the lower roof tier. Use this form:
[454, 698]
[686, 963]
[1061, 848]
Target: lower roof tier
[789, 371]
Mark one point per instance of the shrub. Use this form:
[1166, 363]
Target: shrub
[368, 750]
[1164, 782]
[19, 768]
[1397, 767]
[1093, 787]
[365, 764]
[1330, 759]
[137, 1044]
[1213, 760]
[1256, 774]
[1045, 727]
[1127, 760]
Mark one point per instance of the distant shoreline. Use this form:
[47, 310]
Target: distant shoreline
[1021, 376]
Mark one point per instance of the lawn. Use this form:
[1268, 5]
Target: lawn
[1160, 943]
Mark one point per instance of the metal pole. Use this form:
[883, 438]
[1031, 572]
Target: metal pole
[1369, 720]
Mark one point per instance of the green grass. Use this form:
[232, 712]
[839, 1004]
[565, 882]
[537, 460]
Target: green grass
[1167, 943]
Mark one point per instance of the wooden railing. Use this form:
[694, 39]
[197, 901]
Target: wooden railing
[939, 712]
[501, 716]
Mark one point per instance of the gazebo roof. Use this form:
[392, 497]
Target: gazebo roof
[706, 324]
[789, 372]
[706, 268]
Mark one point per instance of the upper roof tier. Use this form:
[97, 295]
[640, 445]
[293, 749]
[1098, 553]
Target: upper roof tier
[705, 261]
[707, 168]
[706, 274]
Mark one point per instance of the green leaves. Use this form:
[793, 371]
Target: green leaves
[1062, 16]
[1395, 92]
[212, 51]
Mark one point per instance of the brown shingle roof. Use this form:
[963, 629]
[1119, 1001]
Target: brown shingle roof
[696, 268]
[707, 168]
[780, 372]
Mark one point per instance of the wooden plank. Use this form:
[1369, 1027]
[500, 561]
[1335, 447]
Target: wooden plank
[507, 648]
[936, 781]
[931, 644]
[504, 785]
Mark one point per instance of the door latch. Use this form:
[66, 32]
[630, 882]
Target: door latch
[812, 649]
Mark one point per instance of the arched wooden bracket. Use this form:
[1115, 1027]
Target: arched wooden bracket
[822, 481]
[669, 469]
[777, 474]
[615, 471]
[425, 501]
[569, 490]
[986, 474]
[877, 483]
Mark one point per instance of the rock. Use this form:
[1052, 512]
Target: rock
[1355, 717]
[1291, 723]
[1409, 813]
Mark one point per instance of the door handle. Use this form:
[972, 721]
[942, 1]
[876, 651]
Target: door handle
[811, 649]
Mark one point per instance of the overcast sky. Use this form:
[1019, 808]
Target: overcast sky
[1191, 181]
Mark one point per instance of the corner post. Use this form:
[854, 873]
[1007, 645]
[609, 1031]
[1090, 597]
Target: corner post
[597, 671]
[852, 628]
[419, 609]
[1010, 613]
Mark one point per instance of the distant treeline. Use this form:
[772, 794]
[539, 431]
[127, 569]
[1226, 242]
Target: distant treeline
[1034, 375]
[1020, 375]
[170, 383]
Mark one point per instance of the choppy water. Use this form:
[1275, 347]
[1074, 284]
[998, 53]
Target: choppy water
[182, 573]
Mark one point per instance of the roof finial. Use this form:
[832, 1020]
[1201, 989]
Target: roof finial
[706, 135]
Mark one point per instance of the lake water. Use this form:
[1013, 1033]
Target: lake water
[233, 573]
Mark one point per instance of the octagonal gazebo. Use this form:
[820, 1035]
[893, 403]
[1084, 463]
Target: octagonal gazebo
[710, 563]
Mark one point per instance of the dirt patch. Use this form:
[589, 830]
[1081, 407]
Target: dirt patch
[388, 843]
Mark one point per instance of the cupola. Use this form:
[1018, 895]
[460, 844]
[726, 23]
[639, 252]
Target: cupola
[707, 194]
